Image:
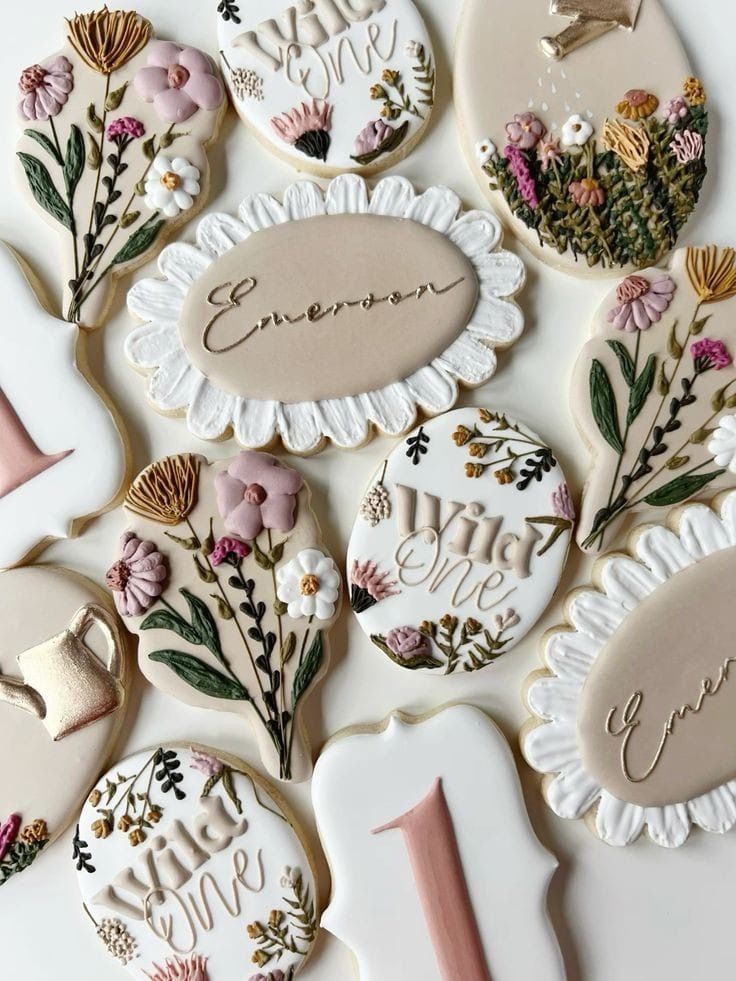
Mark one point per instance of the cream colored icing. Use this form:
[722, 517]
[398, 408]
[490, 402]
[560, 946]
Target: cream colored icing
[410, 291]
[501, 70]
[672, 649]
[42, 778]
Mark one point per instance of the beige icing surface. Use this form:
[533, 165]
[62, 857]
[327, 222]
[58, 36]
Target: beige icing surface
[42, 778]
[328, 260]
[500, 70]
[670, 648]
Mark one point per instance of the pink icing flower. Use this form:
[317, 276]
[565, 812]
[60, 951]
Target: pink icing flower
[205, 763]
[562, 505]
[178, 81]
[675, 110]
[8, 833]
[407, 643]
[138, 577]
[256, 492]
[306, 127]
[368, 576]
[549, 152]
[45, 88]
[225, 548]
[687, 146]
[125, 126]
[193, 968]
[276, 975]
[525, 131]
[524, 180]
[709, 353]
[587, 192]
[641, 302]
[371, 137]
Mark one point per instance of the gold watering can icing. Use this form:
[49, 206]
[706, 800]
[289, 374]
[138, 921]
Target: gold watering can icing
[64, 683]
[590, 19]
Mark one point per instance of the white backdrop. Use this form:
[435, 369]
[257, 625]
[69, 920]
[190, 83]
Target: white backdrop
[640, 913]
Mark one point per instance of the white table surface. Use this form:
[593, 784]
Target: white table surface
[640, 913]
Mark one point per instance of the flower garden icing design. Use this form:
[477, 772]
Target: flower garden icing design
[332, 85]
[190, 869]
[61, 459]
[652, 391]
[62, 699]
[580, 162]
[113, 148]
[468, 548]
[423, 823]
[632, 714]
[224, 579]
[220, 330]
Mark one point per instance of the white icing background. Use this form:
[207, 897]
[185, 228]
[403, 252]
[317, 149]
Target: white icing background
[637, 913]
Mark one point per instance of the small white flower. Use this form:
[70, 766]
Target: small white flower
[290, 876]
[723, 443]
[171, 185]
[413, 49]
[506, 620]
[309, 585]
[484, 150]
[576, 131]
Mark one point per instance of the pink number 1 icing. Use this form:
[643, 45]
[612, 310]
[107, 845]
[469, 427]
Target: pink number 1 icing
[438, 872]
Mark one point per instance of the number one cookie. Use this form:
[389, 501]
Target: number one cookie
[438, 872]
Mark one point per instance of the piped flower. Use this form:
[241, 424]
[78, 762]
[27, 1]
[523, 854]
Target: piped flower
[524, 179]
[230, 550]
[370, 138]
[171, 185]
[408, 646]
[712, 272]
[576, 131]
[549, 152]
[525, 131]
[8, 833]
[641, 302]
[306, 127]
[178, 81]
[210, 766]
[694, 91]
[45, 89]
[709, 353]
[369, 585]
[637, 104]
[485, 150]
[256, 492]
[687, 146]
[139, 576]
[587, 193]
[722, 444]
[192, 968]
[675, 110]
[107, 39]
[125, 126]
[562, 503]
[309, 584]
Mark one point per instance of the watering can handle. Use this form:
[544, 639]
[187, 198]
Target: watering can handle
[92, 615]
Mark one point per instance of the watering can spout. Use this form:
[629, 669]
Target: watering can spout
[22, 696]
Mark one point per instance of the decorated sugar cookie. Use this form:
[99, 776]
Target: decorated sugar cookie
[63, 674]
[330, 85]
[322, 316]
[459, 543]
[596, 171]
[62, 458]
[635, 709]
[191, 870]
[654, 391]
[424, 825]
[224, 578]
[112, 152]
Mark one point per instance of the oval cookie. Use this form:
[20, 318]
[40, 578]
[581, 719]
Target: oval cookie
[190, 866]
[635, 711]
[326, 315]
[224, 578]
[63, 676]
[112, 154]
[654, 392]
[330, 85]
[595, 171]
[459, 543]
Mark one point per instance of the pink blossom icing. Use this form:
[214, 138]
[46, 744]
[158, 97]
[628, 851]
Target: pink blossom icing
[256, 492]
[641, 302]
[192, 968]
[713, 353]
[562, 505]
[45, 88]
[225, 547]
[524, 180]
[178, 81]
[371, 137]
[138, 577]
[8, 833]
[407, 643]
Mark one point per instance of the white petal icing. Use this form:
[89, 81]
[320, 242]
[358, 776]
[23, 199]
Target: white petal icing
[551, 747]
[437, 207]
[147, 346]
[347, 194]
[476, 234]
[260, 211]
[571, 793]
[554, 698]
[210, 410]
[716, 810]
[432, 388]
[617, 822]
[392, 197]
[668, 826]
[304, 200]
[298, 426]
[595, 614]
[218, 233]
[469, 360]
[254, 421]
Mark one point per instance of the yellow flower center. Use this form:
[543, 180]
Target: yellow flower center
[170, 180]
[309, 585]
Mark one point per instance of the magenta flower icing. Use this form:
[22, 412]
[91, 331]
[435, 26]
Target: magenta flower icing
[709, 353]
[524, 180]
[126, 126]
[226, 548]
[641, 302]
[562, 505]
[8, 833]
[256, 492]
[45, 88]
[371, 137]
[138, 578]
[178, 81]
[407, 643]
